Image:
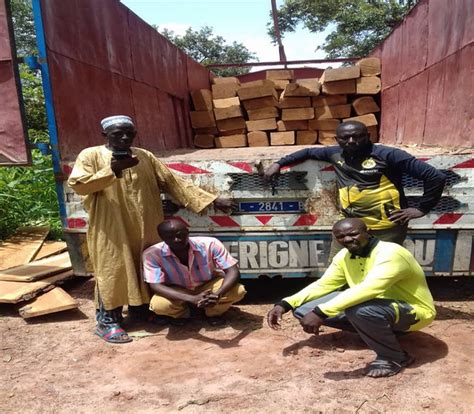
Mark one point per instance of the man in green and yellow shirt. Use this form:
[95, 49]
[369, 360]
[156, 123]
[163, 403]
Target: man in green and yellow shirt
[387, 294]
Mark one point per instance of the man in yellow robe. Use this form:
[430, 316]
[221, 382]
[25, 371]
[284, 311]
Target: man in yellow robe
[121, 187]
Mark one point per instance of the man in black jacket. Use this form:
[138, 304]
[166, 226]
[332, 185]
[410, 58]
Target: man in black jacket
[369, 181]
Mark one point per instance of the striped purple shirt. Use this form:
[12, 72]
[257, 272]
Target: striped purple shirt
[206, 256]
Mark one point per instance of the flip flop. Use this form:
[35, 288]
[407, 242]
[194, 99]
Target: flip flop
[383, 368]
[113, 334]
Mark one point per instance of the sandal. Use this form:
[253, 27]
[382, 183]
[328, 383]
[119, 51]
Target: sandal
[383, 368]
[113, 334]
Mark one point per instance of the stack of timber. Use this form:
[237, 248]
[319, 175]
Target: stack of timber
[31, 270]
[281, 110]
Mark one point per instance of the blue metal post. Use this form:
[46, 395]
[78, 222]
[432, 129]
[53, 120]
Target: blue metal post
[48, 95]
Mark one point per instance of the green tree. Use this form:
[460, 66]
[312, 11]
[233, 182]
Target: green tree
[206, 48]
[359, 25]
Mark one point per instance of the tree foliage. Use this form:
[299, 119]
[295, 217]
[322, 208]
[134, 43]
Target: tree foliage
[359, 25]
[206, 48]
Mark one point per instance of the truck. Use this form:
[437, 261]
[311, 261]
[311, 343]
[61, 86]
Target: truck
[99, 58]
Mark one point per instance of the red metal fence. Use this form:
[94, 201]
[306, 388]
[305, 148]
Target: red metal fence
[104, 60]
[427, 76]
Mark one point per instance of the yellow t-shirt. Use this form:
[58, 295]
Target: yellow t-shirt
[388, 272]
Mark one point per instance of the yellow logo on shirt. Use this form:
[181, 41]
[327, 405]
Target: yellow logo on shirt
[369, 163]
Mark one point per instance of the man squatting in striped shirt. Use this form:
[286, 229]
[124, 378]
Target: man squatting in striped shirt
[186, 271]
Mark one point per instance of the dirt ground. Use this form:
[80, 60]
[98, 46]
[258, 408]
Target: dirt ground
[53, 364]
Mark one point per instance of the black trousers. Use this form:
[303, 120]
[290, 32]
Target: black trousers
[377, 322]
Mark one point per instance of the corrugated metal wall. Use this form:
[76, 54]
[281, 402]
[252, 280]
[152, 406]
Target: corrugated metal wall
[104, 60]
[12, 136]
[427, 76]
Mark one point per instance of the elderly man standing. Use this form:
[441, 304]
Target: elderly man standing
[121, 187]
[369, 181]
[188, 271]
[387, 294]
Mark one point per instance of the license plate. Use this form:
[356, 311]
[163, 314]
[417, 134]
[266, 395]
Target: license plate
[289, 206]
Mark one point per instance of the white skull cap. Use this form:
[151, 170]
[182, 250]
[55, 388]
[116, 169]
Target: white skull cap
[114, 120]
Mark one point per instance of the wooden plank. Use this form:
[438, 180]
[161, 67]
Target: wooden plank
[225, 103]
[302, 87]
[231, 141]
[327, 137]
[253, 92]
[204, 141]
[202, 119]
[259, 103]
[22, 247]
[331, 112]
[368, 85]
[306, 137]
[258, 139]
[330, 100]
[14, 292]
[262, 125]
[294, 114]
[280, 83]
[55, 300]
[365, 105]
[238, 131]
[282, 138]
[292, 125]
[369, 66]
[231, 124]
[224, 90]
[202, 99]
[38, 269]
[228, 113]
[323, 124]
[367, 119]
[263, 113]
[339, 87]
[295, 102]
[343, 73]
[50, 248]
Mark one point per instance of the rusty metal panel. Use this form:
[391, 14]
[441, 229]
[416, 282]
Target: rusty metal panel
[82, 96]
[105, 60]
[198, 75]
[451, 27]
[392, 58]
[427, 76]
[389, 114]
[93, 32]
[13, 141]
[414, 53]
[412, 109]
[450, 109]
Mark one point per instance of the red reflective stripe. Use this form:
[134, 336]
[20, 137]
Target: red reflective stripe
[76, 223]
[242, 165]
[306, 220]
[465, 164]
[264, 219]
[186, 168]
[291, 165]
[328, 168]
[224, 221]
[448, 218]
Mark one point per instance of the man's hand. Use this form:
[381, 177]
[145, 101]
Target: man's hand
[274, 317]
[206, 299]
[271, 172]
[311, 323]
[118, 165]
[226, 205]
[403, 216]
